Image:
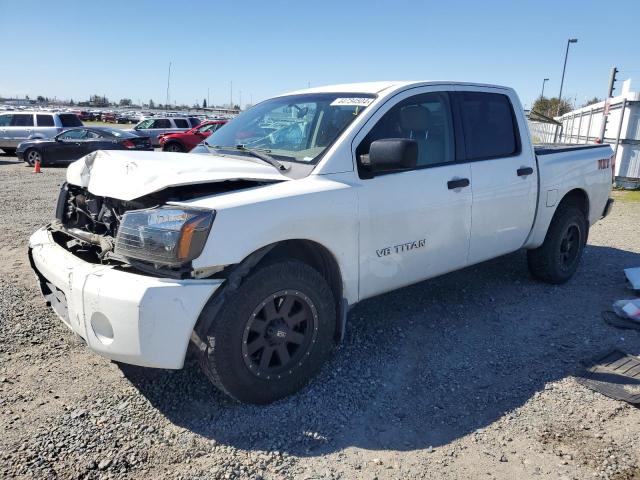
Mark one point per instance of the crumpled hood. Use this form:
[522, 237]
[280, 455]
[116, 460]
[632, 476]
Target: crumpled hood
[128, 175]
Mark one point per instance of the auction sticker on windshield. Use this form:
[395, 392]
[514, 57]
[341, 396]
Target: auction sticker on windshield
[354, 101]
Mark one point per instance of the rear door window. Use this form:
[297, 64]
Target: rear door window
[488, 121]
[161, 123]
[70, 120]
[75, 134]
[5, 120]
[91, 135]
[45, 120]
[22, 120]
[181, 123]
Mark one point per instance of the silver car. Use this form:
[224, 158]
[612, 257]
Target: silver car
[16, 127]
[153, 127]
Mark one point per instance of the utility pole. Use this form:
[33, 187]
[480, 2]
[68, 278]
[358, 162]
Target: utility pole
[543, 82]
[566, 54]
[231, 94]
[208, 101]
[240, 105]
[168, 82]
[605, 113]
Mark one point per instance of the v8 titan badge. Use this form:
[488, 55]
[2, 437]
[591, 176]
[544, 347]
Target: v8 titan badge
[401, 248]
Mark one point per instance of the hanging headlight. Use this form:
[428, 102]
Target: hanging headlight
[167, 235]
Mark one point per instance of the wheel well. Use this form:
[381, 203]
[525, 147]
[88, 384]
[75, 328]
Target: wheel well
[321, 259]
[314, 255]
[578, 198]
[307, 251]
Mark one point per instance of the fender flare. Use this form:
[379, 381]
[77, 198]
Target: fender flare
[234, 280]
[214, 304]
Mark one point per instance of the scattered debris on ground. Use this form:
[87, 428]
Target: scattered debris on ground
[615, 374]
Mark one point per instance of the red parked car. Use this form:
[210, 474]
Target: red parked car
[109, 117]
[185, 141]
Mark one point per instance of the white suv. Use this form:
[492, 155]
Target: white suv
[156, 126]
[17, 127]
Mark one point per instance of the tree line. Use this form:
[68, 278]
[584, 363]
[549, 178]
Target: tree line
[554, 107]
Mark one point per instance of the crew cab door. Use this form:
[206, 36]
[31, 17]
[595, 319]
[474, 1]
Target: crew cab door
[503, 170]
[414, 224]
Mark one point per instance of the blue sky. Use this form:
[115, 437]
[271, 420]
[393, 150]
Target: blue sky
[72, 49]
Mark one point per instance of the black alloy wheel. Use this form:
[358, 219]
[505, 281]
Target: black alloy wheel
[570, 246]
[280, 334]
[268, 336]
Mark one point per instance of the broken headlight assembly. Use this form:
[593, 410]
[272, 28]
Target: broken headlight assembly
[168, 236]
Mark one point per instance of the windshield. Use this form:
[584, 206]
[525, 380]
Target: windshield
[296, 128]
[118, 133]
[145, 123]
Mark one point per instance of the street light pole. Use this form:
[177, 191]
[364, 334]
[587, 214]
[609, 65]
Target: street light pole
[168, 83]
[566, 54]
[543, 82]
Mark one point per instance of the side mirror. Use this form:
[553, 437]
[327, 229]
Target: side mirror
[392, 154]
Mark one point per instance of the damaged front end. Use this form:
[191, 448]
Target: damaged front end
[146, 235]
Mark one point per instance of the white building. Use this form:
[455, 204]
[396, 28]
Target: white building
[622, 131]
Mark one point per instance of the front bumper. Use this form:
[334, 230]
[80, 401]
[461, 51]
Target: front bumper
[123, 316]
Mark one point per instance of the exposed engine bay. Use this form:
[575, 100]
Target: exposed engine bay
[87, 225]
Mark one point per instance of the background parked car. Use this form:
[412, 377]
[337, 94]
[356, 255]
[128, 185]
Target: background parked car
[109, 117]
[185, 141]
[16, 127]
[123, 117]
[153, 127]
[77, 142]
[86, 116]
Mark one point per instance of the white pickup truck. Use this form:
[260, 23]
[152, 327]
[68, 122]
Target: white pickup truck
[253, 248]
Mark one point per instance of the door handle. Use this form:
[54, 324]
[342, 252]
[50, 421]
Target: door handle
[458, 183]
[523, 172]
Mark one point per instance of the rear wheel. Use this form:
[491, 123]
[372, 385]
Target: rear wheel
[32, 156]
[272, 334]
[173, 147]
[557, 259]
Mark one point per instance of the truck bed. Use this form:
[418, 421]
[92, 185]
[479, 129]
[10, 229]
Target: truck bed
[549, 148]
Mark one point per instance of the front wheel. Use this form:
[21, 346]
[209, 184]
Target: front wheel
[557, 259]
[32, 156]
[272, 334]
[173, 147]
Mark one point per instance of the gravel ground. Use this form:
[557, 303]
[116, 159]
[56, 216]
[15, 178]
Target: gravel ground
[464, 376]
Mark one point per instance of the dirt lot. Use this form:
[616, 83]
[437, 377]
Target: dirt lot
[464, 376]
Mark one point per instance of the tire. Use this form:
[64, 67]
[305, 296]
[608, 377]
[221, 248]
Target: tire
[9, 151]
[173, 147]
[31, 155]
[302, 322]
[557, 259]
